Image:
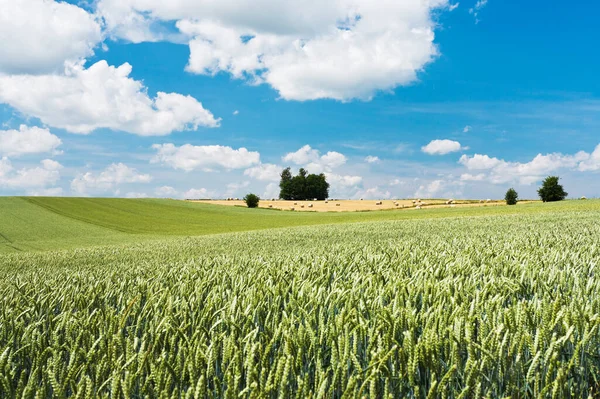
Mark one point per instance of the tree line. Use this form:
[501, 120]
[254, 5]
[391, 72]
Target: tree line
[303, 186]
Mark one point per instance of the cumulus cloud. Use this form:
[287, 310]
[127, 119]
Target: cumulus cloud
[27, 140]
[499, 171]
[102, 96]
[264, 172]
[190, 157]
[39, 177]
[467, 129]
[372, 159]
[38, 36]
[305, 50]
[114, 175]
[314, 161]
[442, 147]
[430, 189]
[271, 191]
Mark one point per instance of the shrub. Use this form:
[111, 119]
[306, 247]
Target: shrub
[251, 200]
[511, 197]
[551, 190]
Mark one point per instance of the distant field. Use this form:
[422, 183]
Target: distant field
[491, 302]
[40, 223]
[357, 205]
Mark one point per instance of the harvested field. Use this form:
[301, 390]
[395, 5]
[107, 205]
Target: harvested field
[355, 205]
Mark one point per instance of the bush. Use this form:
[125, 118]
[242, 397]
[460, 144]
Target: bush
[511, 197]
[551, 190]
[251, 200]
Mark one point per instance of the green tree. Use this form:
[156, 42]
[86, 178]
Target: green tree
[285, 184]
[303, 186]
[251, 200]
[511, 197]
[551, 190]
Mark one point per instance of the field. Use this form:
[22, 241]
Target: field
[112, 298]
[355, 205]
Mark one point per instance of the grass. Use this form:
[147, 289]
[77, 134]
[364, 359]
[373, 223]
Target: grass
[46, 223]
[502, 302]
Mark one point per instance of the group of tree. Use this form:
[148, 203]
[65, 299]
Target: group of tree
[550, 191]
[303, 186]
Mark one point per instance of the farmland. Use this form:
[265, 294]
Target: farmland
[112, 298]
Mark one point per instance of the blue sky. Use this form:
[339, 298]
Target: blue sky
[389, 99]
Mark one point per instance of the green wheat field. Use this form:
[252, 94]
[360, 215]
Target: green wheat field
[115, 298]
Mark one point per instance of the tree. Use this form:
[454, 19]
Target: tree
[511, 197]
[251, 200]
[304, 186]
[551, 190]
[285, 184]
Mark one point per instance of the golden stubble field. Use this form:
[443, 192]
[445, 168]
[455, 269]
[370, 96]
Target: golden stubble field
[357, 205]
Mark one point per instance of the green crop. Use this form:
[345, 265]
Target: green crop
[490, 306]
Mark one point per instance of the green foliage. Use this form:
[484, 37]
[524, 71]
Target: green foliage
[441, 308]
[552, 191]
[304, 186]
[511, 197]
[285, 191]
[251, 200]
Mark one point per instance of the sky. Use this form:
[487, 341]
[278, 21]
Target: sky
[213, 98]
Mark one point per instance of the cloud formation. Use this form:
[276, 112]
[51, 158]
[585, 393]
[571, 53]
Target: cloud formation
[442, 147]
[38, 36]
[82, 100]
[114, 175]
[206, 158]
[499, 171]
[27, 140]
[45, 175]
[337, 49]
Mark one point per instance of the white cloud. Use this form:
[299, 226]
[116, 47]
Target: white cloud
[38, 36]
[314, 161]
[234, 188]
[193, 193]
[29, 178]
[198, 193]
[430, 190]
[372, 193]
[166, 191]
[397, 182]
[271, 191]
[27, 140]
[591, 162]
[264, 172]
[476, 8]
[342, 185]
[189, 157]
[102, 96]
[470, 177]
[339, 49]
[372, 159]
[442, 147]
[500, 171]
[467, 129]
[236, 112]
[114, 175]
